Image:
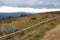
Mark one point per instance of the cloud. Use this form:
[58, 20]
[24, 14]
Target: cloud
[32, 10]
[31, 3]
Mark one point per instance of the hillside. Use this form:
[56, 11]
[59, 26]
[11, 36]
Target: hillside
[35, 33]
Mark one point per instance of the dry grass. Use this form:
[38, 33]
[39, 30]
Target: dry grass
[24, 22]
[38, 31]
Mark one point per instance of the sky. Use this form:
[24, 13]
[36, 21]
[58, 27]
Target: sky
[31, 3]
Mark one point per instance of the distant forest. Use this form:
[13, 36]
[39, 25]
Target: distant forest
[13, 15]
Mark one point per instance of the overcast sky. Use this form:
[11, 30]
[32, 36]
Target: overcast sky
[31, 3]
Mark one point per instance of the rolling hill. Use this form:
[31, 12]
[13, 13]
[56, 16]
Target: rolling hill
[36, 33]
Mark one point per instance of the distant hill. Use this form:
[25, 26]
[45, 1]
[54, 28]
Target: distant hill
[15, 14]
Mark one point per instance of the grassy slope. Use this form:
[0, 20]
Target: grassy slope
[28, 21]
[35, 33]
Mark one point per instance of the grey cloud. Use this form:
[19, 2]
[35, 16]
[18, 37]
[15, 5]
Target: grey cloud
[31, 3]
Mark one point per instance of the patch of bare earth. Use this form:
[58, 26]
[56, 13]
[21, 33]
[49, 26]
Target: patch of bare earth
[53, 34]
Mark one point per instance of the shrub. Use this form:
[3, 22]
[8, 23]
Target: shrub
[8, 29]
[33, 18]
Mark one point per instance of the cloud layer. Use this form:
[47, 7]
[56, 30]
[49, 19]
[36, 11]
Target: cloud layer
[31, 3]
[31, 10]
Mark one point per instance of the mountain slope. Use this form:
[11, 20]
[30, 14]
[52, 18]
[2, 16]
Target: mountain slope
[35, 33]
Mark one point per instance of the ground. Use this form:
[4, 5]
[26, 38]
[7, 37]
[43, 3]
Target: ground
[53, 34]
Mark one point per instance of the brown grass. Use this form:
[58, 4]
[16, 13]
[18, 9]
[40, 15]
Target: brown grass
[24, 22]
[38, 31]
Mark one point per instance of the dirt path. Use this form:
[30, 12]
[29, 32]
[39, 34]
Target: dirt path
[53, 34]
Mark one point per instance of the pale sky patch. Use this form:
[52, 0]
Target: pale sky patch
[33, 10]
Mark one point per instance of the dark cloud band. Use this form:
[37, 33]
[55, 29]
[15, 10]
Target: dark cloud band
[31, 3]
